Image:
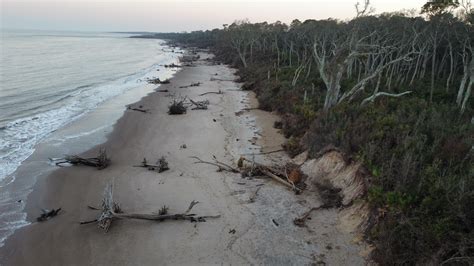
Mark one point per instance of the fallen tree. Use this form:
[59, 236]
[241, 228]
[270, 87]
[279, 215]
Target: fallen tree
[139, 109]
[101, 161]
[111, 211]
[290, 176]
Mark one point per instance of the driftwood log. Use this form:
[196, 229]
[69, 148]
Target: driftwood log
[212, 92]
[220, 165]
[101, 161]
[217, 79]
[197, 84]
[111, 211]
[47, 214]
[139, 109]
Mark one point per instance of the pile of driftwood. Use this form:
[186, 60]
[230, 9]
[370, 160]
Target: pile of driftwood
[160, 166]
[289, 175]
[157, 81]
[101, 161]
[110, 211]
[197, 84]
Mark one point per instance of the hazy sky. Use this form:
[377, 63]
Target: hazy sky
[178, 15]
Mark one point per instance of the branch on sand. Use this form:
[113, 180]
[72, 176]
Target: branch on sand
[139, 109]
[101, 161]
[293, 180]
[212, 92]
[220, 165]
[199, 105]
[111, 211]
[197, 84]
[217, 79]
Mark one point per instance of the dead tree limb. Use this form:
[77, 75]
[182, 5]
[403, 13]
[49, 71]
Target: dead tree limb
[222, 166]
[110, 212]
[138, 109]
[197, 84]
[253, 196]
[378, 94]
[101, 161]
[216, 79]
[199, 105]
[280, 180]
[212, 92]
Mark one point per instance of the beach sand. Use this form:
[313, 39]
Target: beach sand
[264, 230]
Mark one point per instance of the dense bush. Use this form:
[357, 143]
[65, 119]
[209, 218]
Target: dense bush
[422, 167]
[417, 148]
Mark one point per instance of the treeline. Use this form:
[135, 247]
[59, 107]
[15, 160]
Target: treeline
[393, 91]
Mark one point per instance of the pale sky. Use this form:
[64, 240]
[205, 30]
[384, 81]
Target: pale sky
[178, 15]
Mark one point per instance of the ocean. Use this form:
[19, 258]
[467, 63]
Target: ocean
[61, 92]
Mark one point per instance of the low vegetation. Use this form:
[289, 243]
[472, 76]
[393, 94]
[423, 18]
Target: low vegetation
[393, 91]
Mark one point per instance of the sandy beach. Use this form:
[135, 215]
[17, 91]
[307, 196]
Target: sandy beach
[245, 232]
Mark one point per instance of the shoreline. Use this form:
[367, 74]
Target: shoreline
[90, 128]
[217, 131]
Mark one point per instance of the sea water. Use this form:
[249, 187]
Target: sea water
[51, 80]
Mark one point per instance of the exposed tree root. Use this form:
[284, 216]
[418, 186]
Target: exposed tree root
[199, 105]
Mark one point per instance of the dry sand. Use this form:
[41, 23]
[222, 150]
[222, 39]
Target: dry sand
[217, 131]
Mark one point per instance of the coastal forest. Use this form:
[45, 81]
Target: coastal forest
[390, 90]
